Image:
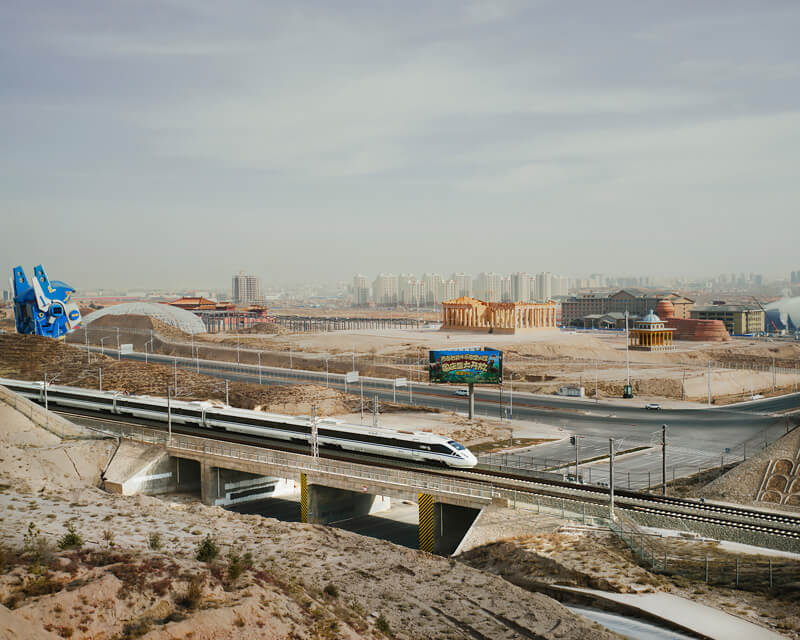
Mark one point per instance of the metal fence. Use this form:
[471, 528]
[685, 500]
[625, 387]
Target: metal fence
[595, 470]
[293, 463]
[674, 556]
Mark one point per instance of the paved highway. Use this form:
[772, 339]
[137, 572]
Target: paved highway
[701, 436]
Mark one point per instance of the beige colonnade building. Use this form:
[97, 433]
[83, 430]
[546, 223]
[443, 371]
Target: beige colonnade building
[471, 314]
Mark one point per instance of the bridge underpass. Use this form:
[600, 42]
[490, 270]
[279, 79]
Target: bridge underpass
[232, 475]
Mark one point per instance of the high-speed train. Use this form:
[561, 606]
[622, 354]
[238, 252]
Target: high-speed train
[426, 448]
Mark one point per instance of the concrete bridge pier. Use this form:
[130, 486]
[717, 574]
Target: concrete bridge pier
[224, 487]
[442, 526]
[320, 504]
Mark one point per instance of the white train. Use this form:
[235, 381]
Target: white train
[416, 446]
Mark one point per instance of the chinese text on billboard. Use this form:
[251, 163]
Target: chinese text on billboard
[464, 367]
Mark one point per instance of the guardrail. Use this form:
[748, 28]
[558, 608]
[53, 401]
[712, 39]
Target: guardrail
[294, 463]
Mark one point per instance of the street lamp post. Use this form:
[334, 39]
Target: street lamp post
[102, 349]
[150, 342]
[119, 352]
[259, 367]
[326, 372]
[664, 459]
[227, 396]
[100, 378]
[611, 477]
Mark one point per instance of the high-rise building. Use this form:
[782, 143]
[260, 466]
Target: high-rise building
[463, 284]
[506, 289]
[360, 290]
[433, 286]
[488, 287]
[560, 286]
[544, 286]
[385, 289]
[246, 289]
[410, 291]
[521, 287]
[448, 290]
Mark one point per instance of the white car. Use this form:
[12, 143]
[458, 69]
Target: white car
[462, 392]
[653, 406]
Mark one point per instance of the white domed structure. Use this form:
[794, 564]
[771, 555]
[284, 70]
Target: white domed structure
[783, 314]
[176, 317]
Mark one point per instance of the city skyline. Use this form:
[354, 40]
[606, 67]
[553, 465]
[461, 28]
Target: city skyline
[139, 141]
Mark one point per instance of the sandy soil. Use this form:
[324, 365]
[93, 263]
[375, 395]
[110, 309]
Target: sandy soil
[298, 581]
[741, 483]
[539, 362]
[596, 560]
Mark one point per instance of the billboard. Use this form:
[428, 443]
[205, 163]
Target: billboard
[483, 366]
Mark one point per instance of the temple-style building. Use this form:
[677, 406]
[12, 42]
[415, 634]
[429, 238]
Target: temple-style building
[651, 334]
[470, 314]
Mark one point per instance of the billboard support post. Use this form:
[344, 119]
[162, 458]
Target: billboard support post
[471, 401]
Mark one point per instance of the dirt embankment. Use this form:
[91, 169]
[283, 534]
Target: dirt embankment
[600, 561]
[80, 563]
[30, 357]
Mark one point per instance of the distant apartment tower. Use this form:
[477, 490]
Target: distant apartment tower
[385, 290]
[488, 287]
[410, 291]
[506, 289]
[521, 287]
[433, 288]
[246, 289]
[544, 286]
[463, 284]
[360, 291]
[560, 286]
[448, 290]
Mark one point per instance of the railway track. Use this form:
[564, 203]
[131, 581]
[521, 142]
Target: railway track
[753, 520]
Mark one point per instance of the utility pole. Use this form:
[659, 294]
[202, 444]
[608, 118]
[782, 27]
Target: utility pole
[663, 459]
[575, 440]
[314, 436]
[611, 477]
[627, 358]
[169, 418]
[471, 400]
[511, 398]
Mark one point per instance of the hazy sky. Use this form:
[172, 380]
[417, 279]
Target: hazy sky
[174, 142]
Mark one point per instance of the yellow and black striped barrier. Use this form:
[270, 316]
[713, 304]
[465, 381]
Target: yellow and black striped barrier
[426, 539]
[303, 498]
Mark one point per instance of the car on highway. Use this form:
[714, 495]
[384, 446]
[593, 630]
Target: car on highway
[462, 392]
[653, 406]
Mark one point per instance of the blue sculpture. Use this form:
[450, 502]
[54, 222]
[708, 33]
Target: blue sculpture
[42, 307]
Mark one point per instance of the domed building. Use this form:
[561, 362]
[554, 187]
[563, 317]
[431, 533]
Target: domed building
[690, 328]
[651, 334]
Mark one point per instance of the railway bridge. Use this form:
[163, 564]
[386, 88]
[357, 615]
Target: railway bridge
[330, 490]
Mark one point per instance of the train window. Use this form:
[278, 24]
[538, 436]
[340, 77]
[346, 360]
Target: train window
[456, 445]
